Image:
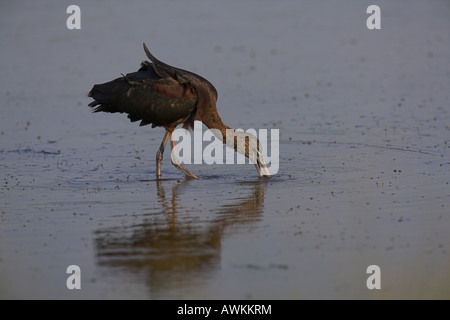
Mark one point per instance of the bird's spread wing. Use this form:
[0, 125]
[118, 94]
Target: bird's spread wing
[146, 96]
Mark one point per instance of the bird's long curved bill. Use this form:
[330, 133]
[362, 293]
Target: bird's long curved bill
[262, 168]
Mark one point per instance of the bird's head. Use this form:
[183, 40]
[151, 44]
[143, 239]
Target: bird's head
[247, 144]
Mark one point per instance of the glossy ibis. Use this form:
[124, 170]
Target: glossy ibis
[165, 96]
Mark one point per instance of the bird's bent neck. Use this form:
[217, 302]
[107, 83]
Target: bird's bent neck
[213, 121]
[207, 112]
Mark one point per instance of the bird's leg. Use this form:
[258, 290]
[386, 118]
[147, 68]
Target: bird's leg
[177, 163]
[159, 154]
[258, 169]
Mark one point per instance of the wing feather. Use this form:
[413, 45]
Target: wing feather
[145, 96]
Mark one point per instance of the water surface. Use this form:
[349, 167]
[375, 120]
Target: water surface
[364, 153]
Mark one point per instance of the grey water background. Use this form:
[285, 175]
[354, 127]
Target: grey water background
[364, 153]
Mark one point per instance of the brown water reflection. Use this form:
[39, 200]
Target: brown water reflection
[171, 248]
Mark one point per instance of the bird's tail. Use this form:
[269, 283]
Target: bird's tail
[102, 95]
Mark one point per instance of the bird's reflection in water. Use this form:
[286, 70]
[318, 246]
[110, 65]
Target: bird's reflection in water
[173, 248]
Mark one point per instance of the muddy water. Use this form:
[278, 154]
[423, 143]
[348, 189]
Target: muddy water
[364, 154]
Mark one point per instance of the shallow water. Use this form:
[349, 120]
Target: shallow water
[364, 154]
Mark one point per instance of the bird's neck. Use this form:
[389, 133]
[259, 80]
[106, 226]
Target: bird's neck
[207, 113]
[213, 121]
[236, 140]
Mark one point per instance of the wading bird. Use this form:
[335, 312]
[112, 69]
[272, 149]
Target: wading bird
[165, 96]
